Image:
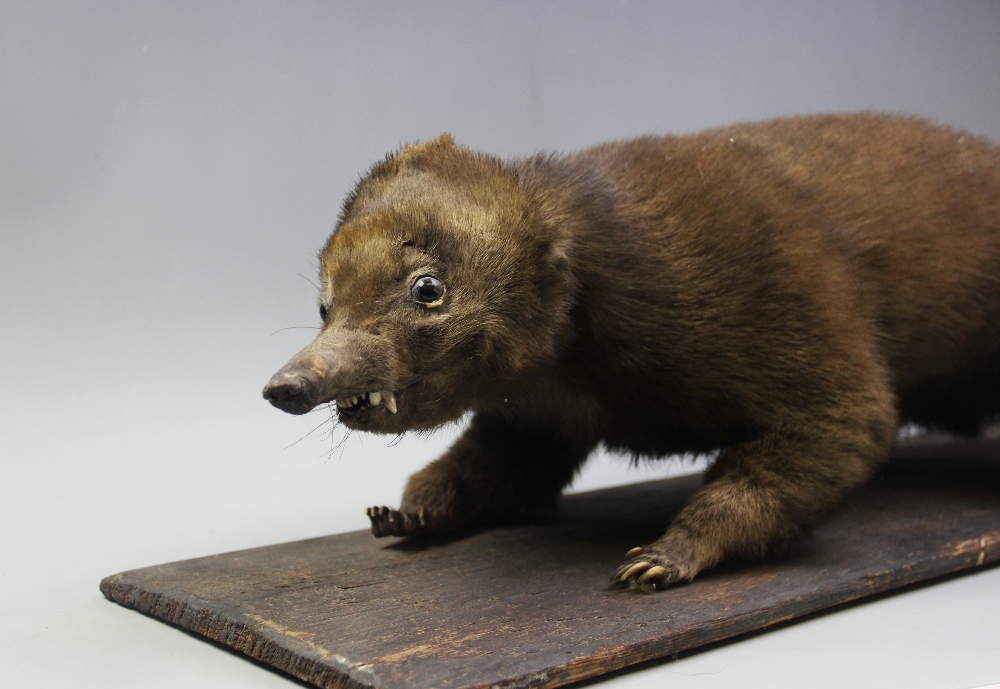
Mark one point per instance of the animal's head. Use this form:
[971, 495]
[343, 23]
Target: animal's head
[442, 286]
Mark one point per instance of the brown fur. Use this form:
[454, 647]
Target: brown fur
[785, 292]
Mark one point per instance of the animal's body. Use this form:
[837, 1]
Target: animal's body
[786, 293]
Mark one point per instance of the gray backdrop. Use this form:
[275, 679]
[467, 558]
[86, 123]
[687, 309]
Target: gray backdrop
[167, 173]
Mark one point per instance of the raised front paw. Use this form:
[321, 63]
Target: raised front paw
[389, 522]
[649, 568]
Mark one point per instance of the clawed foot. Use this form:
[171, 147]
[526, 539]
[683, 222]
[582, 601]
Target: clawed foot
[389, 522]
[646, 569]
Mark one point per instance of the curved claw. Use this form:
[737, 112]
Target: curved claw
[381, 520]
[652, 574]
[646, 571]
[635, 570]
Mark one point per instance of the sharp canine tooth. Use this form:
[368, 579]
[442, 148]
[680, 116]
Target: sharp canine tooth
[390, 400]
[375, 398]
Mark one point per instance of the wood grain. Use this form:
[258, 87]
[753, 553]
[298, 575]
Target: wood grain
[531, 606]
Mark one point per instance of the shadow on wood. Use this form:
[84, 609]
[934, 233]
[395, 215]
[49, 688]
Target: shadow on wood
[531, 606]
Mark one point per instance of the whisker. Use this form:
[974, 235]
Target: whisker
[341, 445]
[308, 434]
[296, 327]
[333, 428]
[309, 281]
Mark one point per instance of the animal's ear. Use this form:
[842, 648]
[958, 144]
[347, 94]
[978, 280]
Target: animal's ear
[422, 150]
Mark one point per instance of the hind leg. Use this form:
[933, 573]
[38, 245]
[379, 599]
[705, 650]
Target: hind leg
[961, 405]
[760, 494]
[497, 472]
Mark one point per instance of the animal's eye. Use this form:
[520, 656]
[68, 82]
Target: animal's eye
[323, 310]
[427, 289]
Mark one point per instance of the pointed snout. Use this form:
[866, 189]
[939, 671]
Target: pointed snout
[300, 384]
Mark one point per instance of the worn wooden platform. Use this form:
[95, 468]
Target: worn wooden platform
[531, 607]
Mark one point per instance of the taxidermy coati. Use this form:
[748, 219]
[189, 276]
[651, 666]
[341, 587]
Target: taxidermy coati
[784, 294]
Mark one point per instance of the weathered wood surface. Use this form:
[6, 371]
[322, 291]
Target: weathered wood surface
[532, 607]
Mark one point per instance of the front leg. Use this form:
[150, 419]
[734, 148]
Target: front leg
[498, 472]
[759, 496]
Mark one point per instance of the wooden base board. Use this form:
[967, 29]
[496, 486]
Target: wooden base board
[531, 606]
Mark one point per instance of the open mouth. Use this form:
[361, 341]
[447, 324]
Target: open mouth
[351, 407]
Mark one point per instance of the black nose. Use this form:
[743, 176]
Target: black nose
[290, 391]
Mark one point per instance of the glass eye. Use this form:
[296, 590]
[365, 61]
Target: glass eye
[323, 311]
[427, 289]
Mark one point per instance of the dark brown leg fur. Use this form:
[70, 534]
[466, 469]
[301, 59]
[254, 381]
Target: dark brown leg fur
[495, 473]
[759, 494]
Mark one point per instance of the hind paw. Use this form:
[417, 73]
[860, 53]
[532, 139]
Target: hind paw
[389, 522]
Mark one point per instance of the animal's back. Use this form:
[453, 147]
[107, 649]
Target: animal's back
[913, 209]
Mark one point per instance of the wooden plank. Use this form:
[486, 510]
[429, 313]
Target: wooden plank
[531, 606]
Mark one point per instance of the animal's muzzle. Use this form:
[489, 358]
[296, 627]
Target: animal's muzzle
[299, 385]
